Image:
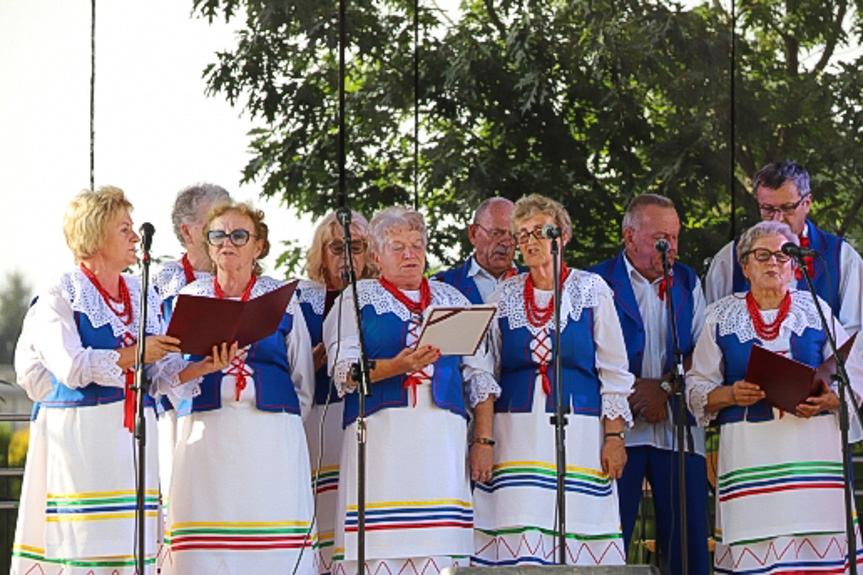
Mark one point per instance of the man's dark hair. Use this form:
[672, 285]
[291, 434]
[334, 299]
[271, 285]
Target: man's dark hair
[775, 175]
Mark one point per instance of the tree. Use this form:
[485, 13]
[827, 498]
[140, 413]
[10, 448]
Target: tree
[14, 302]
[588, 101]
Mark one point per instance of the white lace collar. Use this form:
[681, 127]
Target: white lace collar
[580, 290]
[371, 292]
[312, 293]
[732, 316]
[171, 278]
[83, 297]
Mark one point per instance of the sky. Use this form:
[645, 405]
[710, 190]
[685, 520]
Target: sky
[156, 130]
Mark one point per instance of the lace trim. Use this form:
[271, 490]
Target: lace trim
[83, 297]
[580, 290]
[616, 405]
[482, 385]
[342, 376]
[171, 278]
[371, 292]
[104, 369]
[312, 293]
[731, 315]
[696, 398]
[167, 379]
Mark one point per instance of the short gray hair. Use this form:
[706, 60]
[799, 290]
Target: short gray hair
[776, 174]
[486, 206]
[392, 218]
[190, 199]
[630, 217]
[760, 230]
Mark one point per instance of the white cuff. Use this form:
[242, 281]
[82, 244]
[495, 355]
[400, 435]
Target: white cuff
[482, 385]
[616, 405]
[342, 376]
[103, 369]
[696, 399]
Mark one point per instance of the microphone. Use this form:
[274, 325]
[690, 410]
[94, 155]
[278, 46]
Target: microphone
[343, 215]
[795, 251]
[147, 231]
[662, 245]
[550, 232]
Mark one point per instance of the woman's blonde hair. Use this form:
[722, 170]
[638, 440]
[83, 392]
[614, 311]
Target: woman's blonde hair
[261, 231]
[534, 204]
[85, 222]
[328, 230]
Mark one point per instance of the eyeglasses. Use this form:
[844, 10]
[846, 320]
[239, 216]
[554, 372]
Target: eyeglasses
[496, 234]
[398, 247]
[764, 255]
[769, 211]
[524, 236]
[238, 237]
[337, 248]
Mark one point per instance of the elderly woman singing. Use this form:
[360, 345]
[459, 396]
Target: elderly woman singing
[241, 498]
[420, 516]
[513, 453]
[326, 267]
[75, 359]
[779, 501]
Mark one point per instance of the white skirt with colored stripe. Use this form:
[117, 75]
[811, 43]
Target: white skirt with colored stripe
[324, 433]
[515, 512]
[77, 511]
[241, 499]
[417, 489]
[780, 505]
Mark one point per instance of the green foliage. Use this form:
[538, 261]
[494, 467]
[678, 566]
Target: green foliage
[589, 101]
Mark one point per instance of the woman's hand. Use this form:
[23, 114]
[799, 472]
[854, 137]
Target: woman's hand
[815, 404]
[415, 359]
[319, 355]
[481, 462]
[219, 359]
[158, 346]
[744, 393]
[613, 457]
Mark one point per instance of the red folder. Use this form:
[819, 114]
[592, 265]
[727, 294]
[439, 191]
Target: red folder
[202, 322]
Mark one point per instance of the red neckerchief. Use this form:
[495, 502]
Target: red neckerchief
[767, 331]
[238, 365]
[538, 317]
[808, 260]
[187, 269]
[664, 288]
[416, 309]
[513, 271]
[126, 316]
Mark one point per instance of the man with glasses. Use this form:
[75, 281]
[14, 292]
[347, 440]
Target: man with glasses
[494, 248]
[640, 298]
[783, 194]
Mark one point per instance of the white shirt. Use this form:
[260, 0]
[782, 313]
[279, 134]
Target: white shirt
[485, 282]
[720, 281]
[654, 314]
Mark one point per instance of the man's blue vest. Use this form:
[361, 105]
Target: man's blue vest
[806, 348]
[830, 247]
[614, 272]
[460, 279]
[518, 371]
[323, 386]
[92, 394]
[385, 337]
[274, 388]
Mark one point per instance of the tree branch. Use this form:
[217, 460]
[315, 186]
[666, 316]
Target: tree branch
[495, 19]
[832, 39]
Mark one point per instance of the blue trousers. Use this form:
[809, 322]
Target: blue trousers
[659, 467]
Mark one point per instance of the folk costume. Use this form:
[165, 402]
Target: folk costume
[473, 281]
[651, 448]
[780, 485]
[241, 499]
[515, 512]
[419, 510]
[77, 513]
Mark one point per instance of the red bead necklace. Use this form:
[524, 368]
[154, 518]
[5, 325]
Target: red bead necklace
[187, 269]
[246, 293]
[121, 306]
[768, 331]
[539, 316]
[414, 307]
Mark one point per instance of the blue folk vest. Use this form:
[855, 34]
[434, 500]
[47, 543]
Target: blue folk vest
[323, 387]
[459, 278]
[518, 371]
[92, 394]
[385, 337]
[615, 273]
[274, 388]
[830, 247]
[806, 348]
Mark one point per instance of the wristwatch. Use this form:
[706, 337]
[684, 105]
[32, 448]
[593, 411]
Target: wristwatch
[618, 434]
[665, 386]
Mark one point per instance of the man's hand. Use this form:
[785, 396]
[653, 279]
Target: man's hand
[648, 400]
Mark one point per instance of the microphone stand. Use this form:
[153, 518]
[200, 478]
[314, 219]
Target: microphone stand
[361, 373]
[844, 387]
[677, 385]
[142, 386]
[559, 418]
